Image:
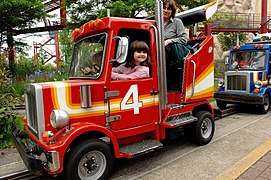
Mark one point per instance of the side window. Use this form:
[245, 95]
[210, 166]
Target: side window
[139, 47]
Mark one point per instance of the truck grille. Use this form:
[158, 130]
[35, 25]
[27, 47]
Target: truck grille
[237, 82]
[34, 108]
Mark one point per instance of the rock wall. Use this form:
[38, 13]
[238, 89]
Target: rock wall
[243, 6]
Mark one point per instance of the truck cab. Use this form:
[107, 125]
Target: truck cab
[247, 77]
[81, 125]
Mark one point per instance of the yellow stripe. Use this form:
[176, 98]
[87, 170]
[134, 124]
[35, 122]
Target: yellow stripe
[68, 93]
[114, 105]
[207, 92]
[205, 73]
[242, 165]
[255, 76]
[54, 97]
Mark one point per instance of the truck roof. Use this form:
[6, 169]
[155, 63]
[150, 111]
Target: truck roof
[108, 23]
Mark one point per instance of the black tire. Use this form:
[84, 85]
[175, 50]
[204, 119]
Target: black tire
[204, 128]
[91, 159]
[221, 104]
[264, 108]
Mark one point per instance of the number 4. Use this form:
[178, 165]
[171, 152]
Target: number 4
[135, 104]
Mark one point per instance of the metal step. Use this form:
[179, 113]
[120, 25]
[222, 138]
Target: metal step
[219, 113]
[180, 119]
[141, 147]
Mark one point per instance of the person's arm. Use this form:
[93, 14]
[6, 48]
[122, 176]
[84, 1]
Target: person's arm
[180, 31]
[140, 72]
[118, 69]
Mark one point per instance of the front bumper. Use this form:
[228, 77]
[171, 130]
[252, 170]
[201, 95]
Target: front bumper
[239, 98]
[33, 164]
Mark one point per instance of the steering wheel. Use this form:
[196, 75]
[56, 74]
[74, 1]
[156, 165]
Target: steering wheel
[97, 67]
[86, 73]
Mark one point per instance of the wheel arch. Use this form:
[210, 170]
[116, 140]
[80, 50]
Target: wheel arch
[93, 133]
[267, 91]
[203, 107]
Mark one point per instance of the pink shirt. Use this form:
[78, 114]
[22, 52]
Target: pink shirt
[122, 72]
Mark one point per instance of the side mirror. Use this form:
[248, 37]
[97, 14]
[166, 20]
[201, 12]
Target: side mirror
[122, 49]
[226, 60]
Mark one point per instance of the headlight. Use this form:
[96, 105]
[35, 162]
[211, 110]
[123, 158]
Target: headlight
[258, 84]
[220, 83]
[59, 118]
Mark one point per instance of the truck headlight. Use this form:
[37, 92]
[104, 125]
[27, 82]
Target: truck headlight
[220, 83]
[258, 84]
[59, 118]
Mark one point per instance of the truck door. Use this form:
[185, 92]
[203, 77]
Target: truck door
[136, 105]
[199, 73]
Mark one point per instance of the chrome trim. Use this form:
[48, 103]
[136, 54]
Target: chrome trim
[239, 73]
[55, 165]
[161, 58]
[109, 94]
[85, 95]
[36, 89]
[113, 118]
[158, 70]
[40, 110]
[193, 80]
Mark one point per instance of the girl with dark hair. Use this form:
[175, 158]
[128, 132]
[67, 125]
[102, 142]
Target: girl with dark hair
[137, 63]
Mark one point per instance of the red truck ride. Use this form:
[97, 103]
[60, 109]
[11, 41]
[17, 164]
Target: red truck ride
[77, 127]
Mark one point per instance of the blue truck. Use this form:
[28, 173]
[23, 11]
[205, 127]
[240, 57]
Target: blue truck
[248, 76]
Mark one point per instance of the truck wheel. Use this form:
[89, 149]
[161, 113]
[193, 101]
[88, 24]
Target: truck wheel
[264, 108]
[205, 127]
[91, 159]
[221, 104]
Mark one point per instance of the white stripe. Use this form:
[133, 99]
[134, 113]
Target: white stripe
[61, 97]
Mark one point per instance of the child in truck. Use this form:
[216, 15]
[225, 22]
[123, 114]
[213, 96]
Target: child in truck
[137, 64]
[96, 62]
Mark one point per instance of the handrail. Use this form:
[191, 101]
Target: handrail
[193, 79]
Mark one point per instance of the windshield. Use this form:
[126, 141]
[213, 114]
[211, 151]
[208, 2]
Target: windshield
[248, 60]
[87, 60]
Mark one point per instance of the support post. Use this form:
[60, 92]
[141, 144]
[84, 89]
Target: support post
[264, 17]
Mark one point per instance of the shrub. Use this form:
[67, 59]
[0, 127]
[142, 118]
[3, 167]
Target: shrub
[8, 115]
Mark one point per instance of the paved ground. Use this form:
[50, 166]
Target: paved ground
[254, 164]
[10, 162]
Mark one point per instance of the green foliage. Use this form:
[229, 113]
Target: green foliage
[66, 47]
[24, 68]
[8, 101]
[84, 11]
[11, 91]
[20, 13]
[191, 4]
[226, 19]
[227, 40]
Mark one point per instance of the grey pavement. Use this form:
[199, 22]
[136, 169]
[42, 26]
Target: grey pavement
[261, 169]
[257, 164]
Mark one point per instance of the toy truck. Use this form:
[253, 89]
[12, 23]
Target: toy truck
[247, 80]
[77, 127]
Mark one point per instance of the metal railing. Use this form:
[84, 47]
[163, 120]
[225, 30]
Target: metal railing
[242, 21]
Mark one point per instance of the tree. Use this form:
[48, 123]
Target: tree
[66, 46]
[190, 4]
[83, 11]
[16, 15]
[228, 40]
